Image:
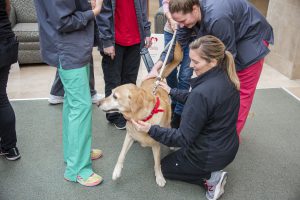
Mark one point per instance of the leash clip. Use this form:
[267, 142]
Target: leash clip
[158, 79]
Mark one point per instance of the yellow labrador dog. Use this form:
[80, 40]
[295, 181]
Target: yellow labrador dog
[139, 103]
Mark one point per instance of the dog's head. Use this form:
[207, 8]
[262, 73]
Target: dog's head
[127, 99]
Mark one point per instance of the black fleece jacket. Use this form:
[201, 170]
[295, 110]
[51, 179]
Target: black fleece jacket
[207, 132]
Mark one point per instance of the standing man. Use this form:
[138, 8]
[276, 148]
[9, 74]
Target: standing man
[240, 26]
[67, 37]
[124, 30]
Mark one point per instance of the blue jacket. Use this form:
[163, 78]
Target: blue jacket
[207, 132]
[66, 32]
[105, 22]
[238, 24]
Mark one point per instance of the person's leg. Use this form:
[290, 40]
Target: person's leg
[57, 91]
[57, 88]
[160, 3]
[184, 76]
[131, 64]
[129, 72]
[7, 115]
[176, 167]
[96, 97]
[92, 78]
[78, 119]
[112, 70]
[248, 80]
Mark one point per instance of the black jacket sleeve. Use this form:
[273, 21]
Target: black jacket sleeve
[225, 31]
[179, 95]
[105, 24]
[195, 115]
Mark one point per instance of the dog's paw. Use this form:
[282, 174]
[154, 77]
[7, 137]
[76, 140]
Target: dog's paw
[160, 180]
[117, 172]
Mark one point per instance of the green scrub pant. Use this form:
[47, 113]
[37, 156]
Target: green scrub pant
[77, 122]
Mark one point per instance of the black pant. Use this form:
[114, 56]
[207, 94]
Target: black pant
[122, 69]
[7, 115]
[176, 167]
[57, 88]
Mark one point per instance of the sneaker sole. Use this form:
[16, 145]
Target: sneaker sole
[91, 184]
[55, 102]
[119, 128]
[14, 158]
[97, 157]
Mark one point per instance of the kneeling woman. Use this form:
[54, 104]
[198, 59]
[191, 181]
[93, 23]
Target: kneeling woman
[207, 132]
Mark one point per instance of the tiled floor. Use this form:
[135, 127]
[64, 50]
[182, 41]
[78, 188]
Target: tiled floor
[35, 81]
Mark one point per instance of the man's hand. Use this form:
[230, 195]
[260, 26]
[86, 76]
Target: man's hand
[110, 51]
[141, 126]
[96, 6]
[148, 42]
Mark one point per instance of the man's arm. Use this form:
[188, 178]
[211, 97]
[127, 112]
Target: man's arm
[65, 17]
[105, 24]
[146, 22]
[179, 95]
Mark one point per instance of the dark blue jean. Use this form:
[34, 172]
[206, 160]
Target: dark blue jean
[179, 79]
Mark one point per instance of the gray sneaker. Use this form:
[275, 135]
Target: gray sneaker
[215, 185]
[53, 100]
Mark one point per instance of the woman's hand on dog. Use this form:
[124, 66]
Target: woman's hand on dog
[141, 126]
[164, 86]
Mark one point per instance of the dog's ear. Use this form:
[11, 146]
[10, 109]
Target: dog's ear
[137, 100]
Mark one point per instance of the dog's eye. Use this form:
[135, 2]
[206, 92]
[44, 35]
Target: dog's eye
[114, 96]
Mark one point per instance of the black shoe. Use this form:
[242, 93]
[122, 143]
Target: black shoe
[120, 123]
[175, 120]
[11, 154]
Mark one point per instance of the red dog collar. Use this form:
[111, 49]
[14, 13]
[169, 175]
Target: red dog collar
[154, 111]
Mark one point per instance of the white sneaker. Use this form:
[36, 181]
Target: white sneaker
[55, 99]
[215, 185]
[97, 97]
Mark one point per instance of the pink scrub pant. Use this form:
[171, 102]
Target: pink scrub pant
[248, 80]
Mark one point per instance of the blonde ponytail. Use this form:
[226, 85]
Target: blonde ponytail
[230, 69]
